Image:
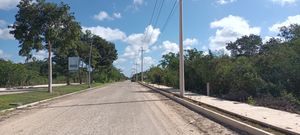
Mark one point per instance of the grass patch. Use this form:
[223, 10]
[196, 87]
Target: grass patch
[13, 100]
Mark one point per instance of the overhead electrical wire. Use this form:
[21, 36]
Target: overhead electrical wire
[175, 4]
[150, 21]
[169, 16]
[159, 12]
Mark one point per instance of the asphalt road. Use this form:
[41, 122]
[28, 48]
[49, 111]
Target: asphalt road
[123, 108]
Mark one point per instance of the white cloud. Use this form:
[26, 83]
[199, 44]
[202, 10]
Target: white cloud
[136, 41]
[102, 15]
[4, 55]
[1, 54]
[229, 29]
[120, 61]
[4, 30]
[41, 55]
[266, 39]
[3, 23]
[136, 4]
[190, 42]
[4, 34]
[284, 2]
[8, 4]
[106, 33]
[117, 15]
[148, 62]
[169, 47]
[223, 2]
[290, 20]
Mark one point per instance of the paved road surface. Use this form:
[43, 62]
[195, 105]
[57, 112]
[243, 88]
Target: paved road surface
[123, 108]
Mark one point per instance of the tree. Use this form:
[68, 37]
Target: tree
[40, 25]
[291, 32]
[245, 46]
[106, 51]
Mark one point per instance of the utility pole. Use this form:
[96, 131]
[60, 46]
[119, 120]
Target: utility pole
[50, 67]
[91, 46]
[181, 55]
[142, 64]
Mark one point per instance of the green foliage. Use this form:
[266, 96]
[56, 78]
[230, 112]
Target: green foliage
[39, 24]
[250, 100]
[42, 25]
[245, 46]
[108, 74]
[253, 72]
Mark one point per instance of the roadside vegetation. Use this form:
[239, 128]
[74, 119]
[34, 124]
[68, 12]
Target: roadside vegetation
[266, 74]
[42, 26]
[14, 100]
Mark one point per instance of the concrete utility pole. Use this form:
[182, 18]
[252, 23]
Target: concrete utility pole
[90, 65]
[142, 64]
[181, 55]
[50, 67]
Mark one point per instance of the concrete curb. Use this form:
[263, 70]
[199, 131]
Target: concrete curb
[212, 114]
[49, 99]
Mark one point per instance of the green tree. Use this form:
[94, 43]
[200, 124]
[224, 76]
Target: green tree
[245, 46]
[40, 25]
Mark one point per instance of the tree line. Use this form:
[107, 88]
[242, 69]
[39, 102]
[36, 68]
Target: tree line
[259, 73]
[52, 27]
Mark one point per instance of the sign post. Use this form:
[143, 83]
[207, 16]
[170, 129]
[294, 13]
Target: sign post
[73, 63]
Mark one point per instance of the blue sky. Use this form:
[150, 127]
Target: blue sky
[208, 24]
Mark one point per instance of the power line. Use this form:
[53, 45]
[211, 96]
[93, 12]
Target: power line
[146, 34]
[150, 20]
[155, 23]
[168, 18]
[159, 12]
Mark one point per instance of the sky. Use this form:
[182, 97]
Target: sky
[207, 24]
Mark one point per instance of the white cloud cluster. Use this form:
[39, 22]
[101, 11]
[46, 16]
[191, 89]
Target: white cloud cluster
[8, 4]
[4, 31]
[290, 20]
[4, 55]
[41, 55]
[4, 34]
[136, 41]
[117, 15]
[189, 42]
[148, 62]
[138, 2]
[284, 2]
[169, 46]
[2, 23]
[229, 29]
[102, 15]
[1, 53]
[106, 33]
[223, 2]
